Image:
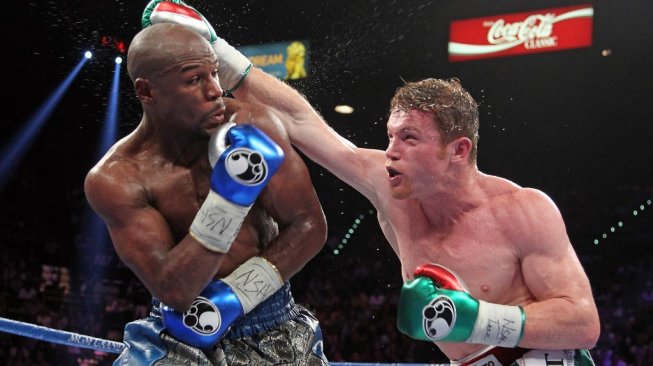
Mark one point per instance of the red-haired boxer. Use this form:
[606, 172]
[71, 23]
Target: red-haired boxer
[213, 216]
[508, 243]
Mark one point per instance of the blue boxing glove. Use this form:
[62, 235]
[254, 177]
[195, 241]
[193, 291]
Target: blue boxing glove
[233, 66]
[244, 160]
[222, 303]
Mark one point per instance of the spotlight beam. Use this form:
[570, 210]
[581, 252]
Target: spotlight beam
[110, 130]
[12, 154]
[95, 236]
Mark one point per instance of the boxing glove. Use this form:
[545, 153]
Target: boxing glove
[233, 66]
[243, 160]
[222, 302]
[436, 306]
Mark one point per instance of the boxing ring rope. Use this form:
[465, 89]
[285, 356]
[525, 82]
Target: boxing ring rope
[59, 336]
[83, 341]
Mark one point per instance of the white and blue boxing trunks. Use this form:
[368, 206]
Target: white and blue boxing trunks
[277, 331]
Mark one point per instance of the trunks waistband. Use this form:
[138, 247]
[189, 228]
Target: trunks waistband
[505, 357]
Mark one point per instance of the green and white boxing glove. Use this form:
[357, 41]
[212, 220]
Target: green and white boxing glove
[435, 306]
[233, 66]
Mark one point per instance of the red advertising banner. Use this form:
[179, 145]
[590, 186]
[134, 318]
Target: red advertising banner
[521, 33]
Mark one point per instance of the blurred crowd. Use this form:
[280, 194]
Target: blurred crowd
[82, 287]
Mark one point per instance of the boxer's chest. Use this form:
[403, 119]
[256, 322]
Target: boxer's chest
[475, 248]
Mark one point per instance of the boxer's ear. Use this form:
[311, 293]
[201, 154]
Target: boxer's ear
[143, 89]
[460, 149]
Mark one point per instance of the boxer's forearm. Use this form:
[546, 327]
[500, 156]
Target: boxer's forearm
[309, 133]
[297, 243]
[294, 110]
[560, 323]
[303, 124]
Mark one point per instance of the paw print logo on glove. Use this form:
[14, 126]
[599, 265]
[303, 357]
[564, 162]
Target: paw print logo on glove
[202, 317]
[246, 166]
[439, 317]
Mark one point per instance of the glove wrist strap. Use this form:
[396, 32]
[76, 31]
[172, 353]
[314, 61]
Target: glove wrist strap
[233, 66]
[498, 325]
[230, 92]
[254, 281]
[217, 223]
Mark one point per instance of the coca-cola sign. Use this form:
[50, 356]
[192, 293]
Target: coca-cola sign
[521, 33]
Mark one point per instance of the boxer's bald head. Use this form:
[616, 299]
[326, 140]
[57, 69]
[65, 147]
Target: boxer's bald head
[155, 48]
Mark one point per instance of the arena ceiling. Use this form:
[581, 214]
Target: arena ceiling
[564, 121]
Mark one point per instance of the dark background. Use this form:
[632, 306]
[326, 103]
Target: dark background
[572, 123]
[562, 121]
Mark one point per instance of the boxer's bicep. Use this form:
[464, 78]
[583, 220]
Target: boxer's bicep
[562, 312]
[550, 266]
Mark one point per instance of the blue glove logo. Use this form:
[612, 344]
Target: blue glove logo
[246, 166]
[439, 317]
[202, 317]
